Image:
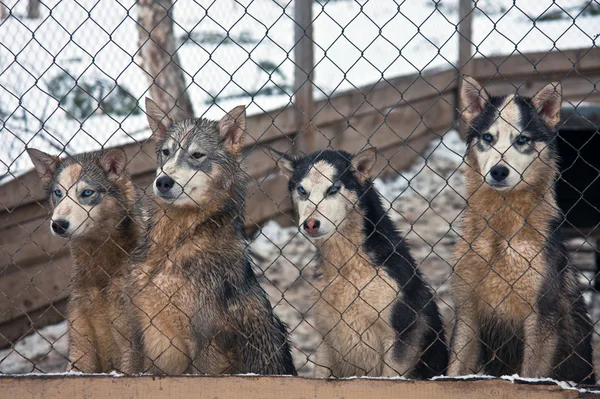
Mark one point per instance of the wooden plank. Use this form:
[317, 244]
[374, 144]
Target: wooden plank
[224, 387]
[465, 33]
[374, 129]
[303, 74]
[29, 242]
[574, 88]
[542, 63]
[27, 290]
[15, 329]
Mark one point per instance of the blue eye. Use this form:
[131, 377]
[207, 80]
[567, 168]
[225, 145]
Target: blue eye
[521, 140]
[86, 193]
[301, 190]
[332, 190]
[487, 138]
[58, 193]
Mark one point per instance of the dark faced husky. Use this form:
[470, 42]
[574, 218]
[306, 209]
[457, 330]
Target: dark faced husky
[95, 206]
[519, 309]
[376, 315]
[199, 303]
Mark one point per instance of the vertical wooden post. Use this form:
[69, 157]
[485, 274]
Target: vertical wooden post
[465, 30]
[303, 75]
[465, 49]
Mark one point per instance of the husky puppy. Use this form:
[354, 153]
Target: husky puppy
[376, 315]
[95, 206]
[519, 309]
[199, 304]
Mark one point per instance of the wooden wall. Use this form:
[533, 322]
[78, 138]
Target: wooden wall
[399, 116]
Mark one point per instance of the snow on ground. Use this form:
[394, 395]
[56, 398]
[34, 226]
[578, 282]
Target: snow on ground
[240, 52]
[44, 351]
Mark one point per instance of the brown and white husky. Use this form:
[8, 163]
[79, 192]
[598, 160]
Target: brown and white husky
[95, 206]
[519, 309]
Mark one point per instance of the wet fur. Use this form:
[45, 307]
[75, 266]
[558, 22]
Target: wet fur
[199, 304]
[519, 309]
[376, 315]
[100, 332]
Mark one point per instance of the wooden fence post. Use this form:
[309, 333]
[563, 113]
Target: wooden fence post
[303, 75]
[465, 50]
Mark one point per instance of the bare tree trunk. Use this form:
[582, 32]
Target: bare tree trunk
[33, 9]
[3, 12]
[159, 60]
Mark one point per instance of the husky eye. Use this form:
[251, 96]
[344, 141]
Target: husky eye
[487, 138]
[301, 190]
[332, 190]
[197, 155]
[87, 193]
[58, 193]
[166, 152]
[521, 140]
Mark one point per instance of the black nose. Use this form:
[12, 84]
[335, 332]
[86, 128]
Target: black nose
[499, 172]
[60, 226]
[164, 184]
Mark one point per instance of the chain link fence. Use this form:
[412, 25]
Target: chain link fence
[344, 75]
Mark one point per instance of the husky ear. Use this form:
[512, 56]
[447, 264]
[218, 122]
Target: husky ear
[473, 98]
[547, 103]
[364, 162]
[45, 164]
[113, 162]
[232, 128]
[158, 120]
[285, 162]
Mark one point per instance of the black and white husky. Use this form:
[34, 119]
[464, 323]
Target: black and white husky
[376, 315]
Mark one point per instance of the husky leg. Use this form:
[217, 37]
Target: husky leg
[168, 353]
[465, 350]
[83, 354]
[401, 358]
[541, 341]
[324, 359]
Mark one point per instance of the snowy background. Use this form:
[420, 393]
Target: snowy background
[240, 52]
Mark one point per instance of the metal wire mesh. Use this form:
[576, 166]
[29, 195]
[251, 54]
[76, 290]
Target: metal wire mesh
[383, 74]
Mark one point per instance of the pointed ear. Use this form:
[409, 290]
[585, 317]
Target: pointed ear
[364, 162]
[285, 162]
[158, 120]
[473, 98]
[113, 162]
[45, 164]
[547, 103]
[232, 128]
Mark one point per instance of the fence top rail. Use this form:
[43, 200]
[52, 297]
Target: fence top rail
[97, 386]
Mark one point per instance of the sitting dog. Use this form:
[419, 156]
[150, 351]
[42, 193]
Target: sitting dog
[376, 315]
[195, 295]
[95, 206]
[519, 309]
